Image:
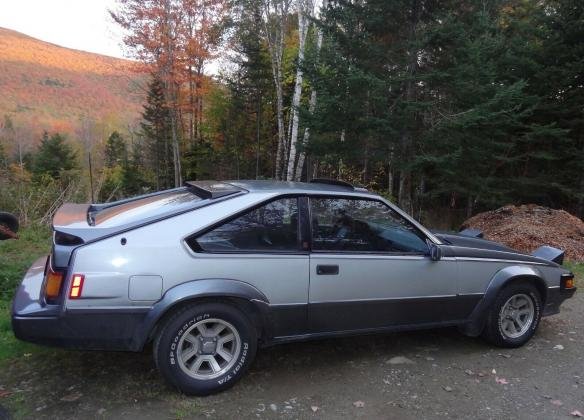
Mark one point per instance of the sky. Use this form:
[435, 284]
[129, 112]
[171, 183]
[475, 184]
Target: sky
[79, 24]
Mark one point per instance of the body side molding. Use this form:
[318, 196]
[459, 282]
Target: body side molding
[475, 323]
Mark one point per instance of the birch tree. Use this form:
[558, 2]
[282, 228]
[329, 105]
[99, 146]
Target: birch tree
[275, 22]
[305, 10]
[311, 107]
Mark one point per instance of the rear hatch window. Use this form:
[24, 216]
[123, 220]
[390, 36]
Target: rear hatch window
[144, 208]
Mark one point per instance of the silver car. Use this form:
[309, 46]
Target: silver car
[210, 271]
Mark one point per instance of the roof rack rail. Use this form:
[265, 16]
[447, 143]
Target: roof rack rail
[332, 182]
[212, 189]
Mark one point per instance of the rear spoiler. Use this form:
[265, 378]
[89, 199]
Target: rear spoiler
[549, 253]
[71, 215]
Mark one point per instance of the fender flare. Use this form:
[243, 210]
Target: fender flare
[196, 289]
[476, 322]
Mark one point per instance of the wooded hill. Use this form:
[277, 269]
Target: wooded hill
[47, 87]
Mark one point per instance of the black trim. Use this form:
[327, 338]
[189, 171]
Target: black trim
[304, 220]
[103, 330]
[366, 331]
[288, 320]
[384, 313]
[327, 270]
[494, 254]
[191, 240]
[212, 189]
[328, 181]
[348, 252]
[555, 297]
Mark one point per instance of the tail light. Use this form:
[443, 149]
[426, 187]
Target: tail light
[53, 283]
[76, 286]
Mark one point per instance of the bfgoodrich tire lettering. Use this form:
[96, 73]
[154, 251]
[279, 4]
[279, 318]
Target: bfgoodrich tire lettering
[205, 348]
[514, 316]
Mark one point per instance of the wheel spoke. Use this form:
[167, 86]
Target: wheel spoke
[190, 338]
[197, 364]
[214, 365]
[225, 339]
[188, 354]
[225, 354]
[517, 326]
[506, 325]
[202, 330]
[218, 329]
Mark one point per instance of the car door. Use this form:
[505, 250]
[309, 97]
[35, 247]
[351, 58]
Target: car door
[370, 268]
[262, 246]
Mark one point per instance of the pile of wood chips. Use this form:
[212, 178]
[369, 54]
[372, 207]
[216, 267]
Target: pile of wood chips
[527, 227]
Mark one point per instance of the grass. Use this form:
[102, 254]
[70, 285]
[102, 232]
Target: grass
[578, 270]
[15, 258]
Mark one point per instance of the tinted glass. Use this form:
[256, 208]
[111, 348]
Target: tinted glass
[270, 228]
[362, 225]
[144, 208]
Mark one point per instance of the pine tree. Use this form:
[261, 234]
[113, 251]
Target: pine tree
[115, 150]
[157, 132]
[54, 156]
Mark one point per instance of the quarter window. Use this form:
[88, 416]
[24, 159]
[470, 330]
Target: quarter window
[272, 227]
[362, 226]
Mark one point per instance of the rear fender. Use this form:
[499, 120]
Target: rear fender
[503, 277]
[200, 289]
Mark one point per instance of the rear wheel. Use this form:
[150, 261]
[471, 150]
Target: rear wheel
[205, 348]
[514, 316]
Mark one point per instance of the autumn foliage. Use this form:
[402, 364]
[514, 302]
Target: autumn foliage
[47, 87]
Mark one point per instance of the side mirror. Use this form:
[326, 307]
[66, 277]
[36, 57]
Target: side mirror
[435, 252]
[8, 226]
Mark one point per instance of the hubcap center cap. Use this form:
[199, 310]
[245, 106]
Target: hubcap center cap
[208, 346]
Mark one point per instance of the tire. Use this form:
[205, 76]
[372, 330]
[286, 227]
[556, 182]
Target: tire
[514, 316]
[193, 336]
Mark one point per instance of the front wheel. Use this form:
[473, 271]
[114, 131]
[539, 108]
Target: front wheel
[514, 316]
[205, 348]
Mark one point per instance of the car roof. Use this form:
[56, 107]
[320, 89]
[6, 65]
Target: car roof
[289, 187]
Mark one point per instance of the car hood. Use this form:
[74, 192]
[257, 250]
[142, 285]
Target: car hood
[457, 239]
[464, 246]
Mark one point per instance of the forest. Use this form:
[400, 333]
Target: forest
[445, 107]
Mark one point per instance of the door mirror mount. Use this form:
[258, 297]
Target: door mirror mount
[435, 251]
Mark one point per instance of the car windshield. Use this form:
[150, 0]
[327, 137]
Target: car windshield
[144, 208]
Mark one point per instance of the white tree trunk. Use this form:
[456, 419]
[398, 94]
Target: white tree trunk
[303, 8]
[275, 14]
[311, 108]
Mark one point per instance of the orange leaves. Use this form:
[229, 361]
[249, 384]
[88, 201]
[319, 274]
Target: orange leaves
[45, 86]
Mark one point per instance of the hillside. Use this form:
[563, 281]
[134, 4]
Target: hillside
[45, 86]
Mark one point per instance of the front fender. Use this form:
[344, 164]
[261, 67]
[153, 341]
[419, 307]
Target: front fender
[477, 319]
[196, 289]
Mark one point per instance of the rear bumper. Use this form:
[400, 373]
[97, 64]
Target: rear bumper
[555, 298]
[92, 329]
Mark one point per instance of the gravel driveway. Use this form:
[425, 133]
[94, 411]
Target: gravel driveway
[428, 374]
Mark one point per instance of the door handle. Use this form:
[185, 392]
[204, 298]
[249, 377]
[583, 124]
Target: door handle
[327, 270]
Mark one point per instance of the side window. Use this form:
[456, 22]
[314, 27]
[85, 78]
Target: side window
[362, 225]
[270, 228]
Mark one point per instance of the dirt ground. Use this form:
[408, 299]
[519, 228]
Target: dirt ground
[428, 374]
